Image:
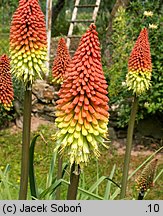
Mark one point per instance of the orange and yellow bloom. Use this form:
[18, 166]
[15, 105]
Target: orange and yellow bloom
[82, 110]
[6, 88]
[61, 61]
[28, 41]
[139, 65]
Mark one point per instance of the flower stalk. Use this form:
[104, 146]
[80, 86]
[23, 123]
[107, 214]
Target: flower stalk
[138, 80]
[74, 182]
[28, 51]
[129, 140]
[25, 143]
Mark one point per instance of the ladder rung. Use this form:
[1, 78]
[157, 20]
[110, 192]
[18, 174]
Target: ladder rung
[82, 20]
[75, 20]
[74, 36]
[86, 6]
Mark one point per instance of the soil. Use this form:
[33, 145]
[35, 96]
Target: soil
[117, 144]
[36, 122]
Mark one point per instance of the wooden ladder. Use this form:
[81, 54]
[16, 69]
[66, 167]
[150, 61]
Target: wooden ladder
[74, 19]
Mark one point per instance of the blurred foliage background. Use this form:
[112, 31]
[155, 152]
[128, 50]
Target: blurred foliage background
[118, 24]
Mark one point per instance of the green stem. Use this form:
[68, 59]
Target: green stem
[25, 143]
[74, 182]
[59, 176]
[128, 146]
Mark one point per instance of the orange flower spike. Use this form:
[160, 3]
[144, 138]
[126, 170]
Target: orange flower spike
[82, 110]
[61, 61]
[6, 88]
[139, 65]
[28, 41]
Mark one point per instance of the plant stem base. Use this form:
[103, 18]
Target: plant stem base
[74, 182]
[128, 146]
[25, 144]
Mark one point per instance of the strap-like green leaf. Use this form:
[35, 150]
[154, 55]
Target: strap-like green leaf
[33, 187]
[108, 186]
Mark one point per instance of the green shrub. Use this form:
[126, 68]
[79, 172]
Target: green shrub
[126, 27]
[5, 117]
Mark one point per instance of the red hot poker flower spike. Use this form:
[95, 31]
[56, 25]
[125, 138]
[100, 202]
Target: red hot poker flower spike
[28, 41]
[140, 58]
[6, 89]
[139, 65]
[61, 61]
[82, 110]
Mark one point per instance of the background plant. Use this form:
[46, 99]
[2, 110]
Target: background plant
[134, 19]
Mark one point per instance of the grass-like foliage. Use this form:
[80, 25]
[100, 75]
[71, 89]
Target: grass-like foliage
[101, 187]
